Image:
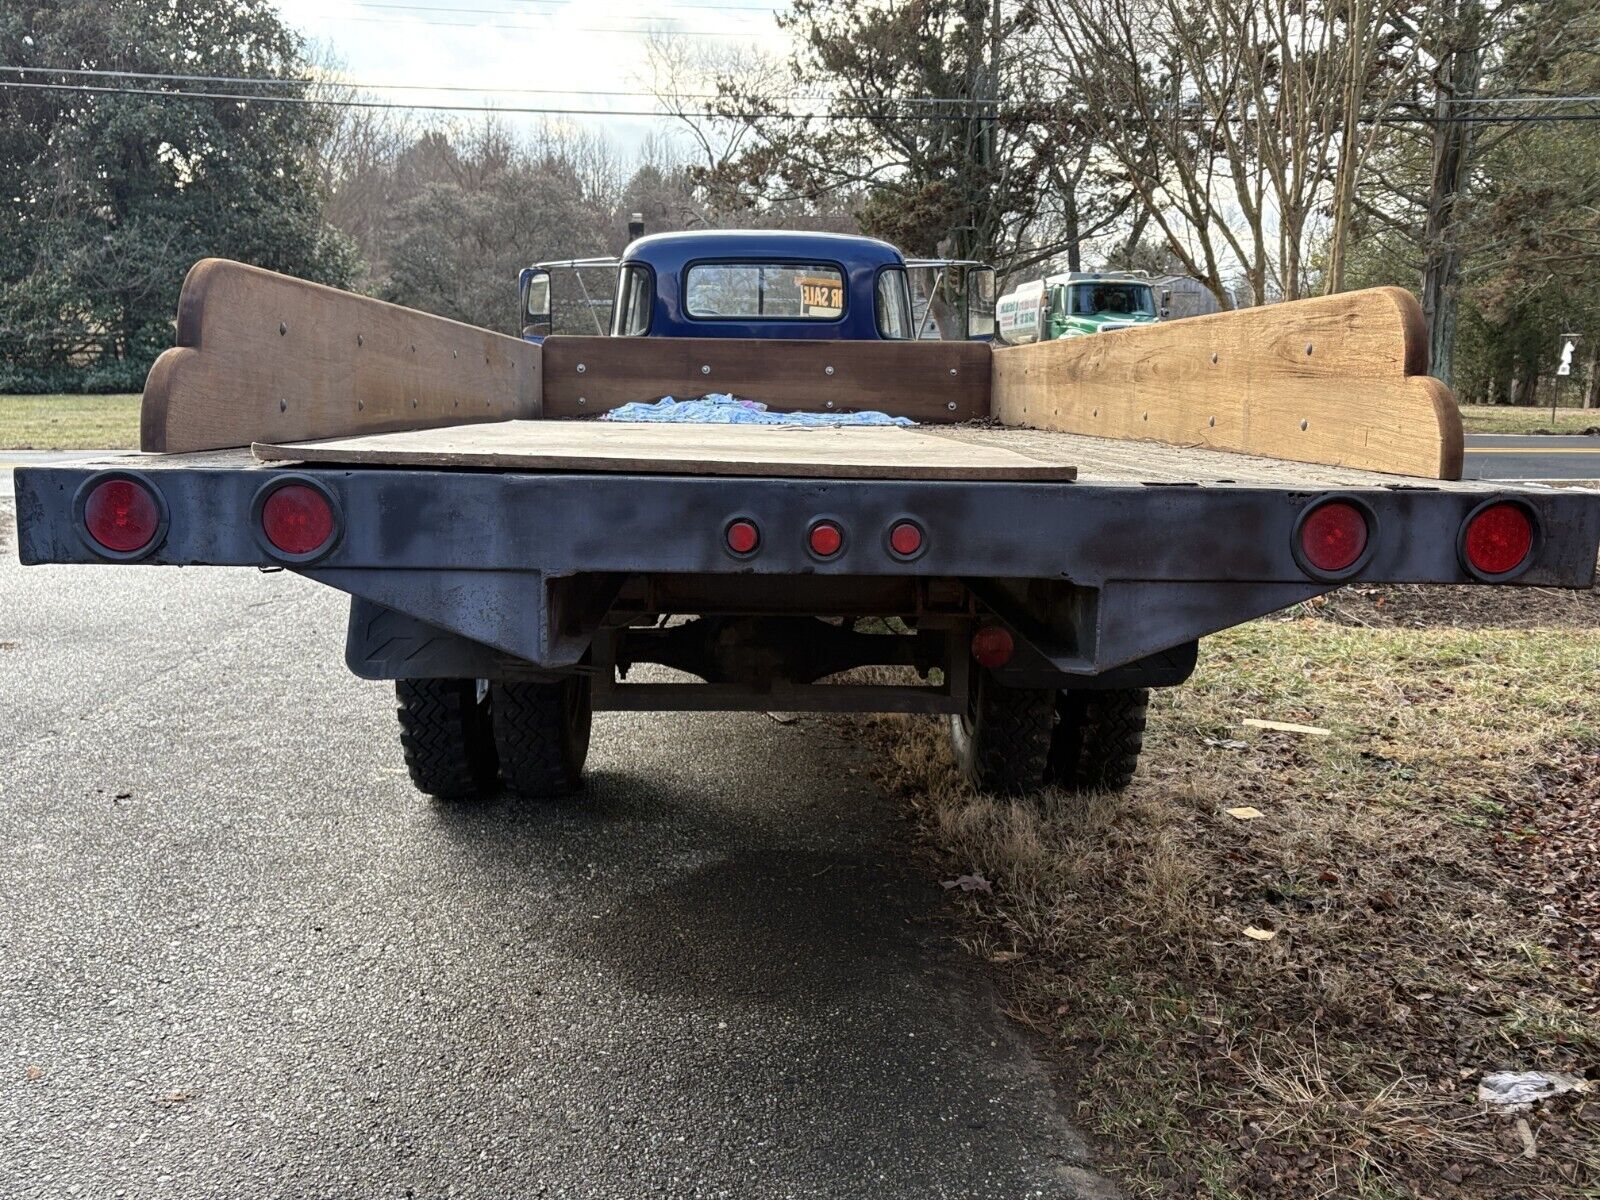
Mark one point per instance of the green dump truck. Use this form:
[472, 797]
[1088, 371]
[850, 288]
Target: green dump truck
[1074, 304]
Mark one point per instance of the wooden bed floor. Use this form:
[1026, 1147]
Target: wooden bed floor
[969, 452]
[851, 452]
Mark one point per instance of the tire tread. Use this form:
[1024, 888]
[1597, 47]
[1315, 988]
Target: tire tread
[444, 734]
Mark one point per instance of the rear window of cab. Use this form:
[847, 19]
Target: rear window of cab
[764, 291]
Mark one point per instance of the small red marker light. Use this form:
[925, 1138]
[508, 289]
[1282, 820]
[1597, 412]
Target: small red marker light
[1499, 538]
[1333, 536]
[743, 537]
[992, 646]
[122, 515]
[826, 539]
[905, 539]
[297, 519]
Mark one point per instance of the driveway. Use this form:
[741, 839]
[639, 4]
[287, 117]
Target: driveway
[239, 956]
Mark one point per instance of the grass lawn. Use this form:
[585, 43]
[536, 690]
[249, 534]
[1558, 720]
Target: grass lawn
[69, 422]
[1497, 418]
[1418, 887]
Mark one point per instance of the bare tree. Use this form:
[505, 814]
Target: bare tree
[1233, 122]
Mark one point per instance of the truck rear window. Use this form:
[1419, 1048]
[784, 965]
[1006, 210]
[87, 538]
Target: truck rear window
[765, 291]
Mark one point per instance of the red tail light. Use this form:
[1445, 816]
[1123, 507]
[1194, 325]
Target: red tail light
[743, 537]
[1498, 538]
[297, 519]
[1333, 537]
[905, 539]
[992, 646]
[122, 515]
[825, 539]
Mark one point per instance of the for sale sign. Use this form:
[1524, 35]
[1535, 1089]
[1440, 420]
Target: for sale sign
[821, 297]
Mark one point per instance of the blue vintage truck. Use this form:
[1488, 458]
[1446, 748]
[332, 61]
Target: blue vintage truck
[1051, 539]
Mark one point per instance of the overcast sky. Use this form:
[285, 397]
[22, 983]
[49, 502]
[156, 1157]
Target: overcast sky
[580, 48]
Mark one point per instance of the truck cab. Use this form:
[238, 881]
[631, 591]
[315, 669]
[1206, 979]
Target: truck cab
[1075, 304]
[760, 284]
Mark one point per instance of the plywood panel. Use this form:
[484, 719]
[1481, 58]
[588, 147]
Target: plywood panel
[927, 381]
[264, 357]
[1336, 380]
[859, 452]
[1124, 463]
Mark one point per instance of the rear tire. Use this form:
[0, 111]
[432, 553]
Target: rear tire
[1002, 741]
[445, 733]
[1098, 737]
[541, 731]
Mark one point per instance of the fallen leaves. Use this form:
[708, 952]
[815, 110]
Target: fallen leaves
[968, 883]
[1549, 842]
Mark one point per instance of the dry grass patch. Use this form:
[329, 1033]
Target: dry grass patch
[1341, 1056]
[1501, 418]
[66, 422]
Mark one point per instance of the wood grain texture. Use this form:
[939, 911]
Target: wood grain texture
[858, 452]
[1131, 463]
[262, 357]
[1336, 380]
[920, 380]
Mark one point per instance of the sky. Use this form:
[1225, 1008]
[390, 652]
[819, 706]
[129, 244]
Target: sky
[579, 48]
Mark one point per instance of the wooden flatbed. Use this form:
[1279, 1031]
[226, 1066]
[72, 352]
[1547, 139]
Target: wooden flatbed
[966, 452]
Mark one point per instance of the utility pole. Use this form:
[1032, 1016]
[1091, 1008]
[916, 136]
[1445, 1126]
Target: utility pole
[1459, 58]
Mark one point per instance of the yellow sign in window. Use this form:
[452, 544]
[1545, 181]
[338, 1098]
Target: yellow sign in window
[821, 297]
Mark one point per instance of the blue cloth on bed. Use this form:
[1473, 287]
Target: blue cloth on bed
[719, 408]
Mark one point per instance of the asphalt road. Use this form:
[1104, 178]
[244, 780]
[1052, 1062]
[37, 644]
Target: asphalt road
[239, 956]
[1512, 456]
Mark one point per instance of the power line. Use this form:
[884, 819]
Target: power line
[1526, 100]
[363, 85]
[162, 93]
[990, 112]
[513, 12]
[633, 31]
[369, 85]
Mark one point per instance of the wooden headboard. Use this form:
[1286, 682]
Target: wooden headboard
[930, 382]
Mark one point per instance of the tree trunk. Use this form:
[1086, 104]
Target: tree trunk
[1349, 138]
[1069, 207]
[1460, 65]
[1525, 389]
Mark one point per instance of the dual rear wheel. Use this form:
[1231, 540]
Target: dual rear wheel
[465, 737]
[1017, 740]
